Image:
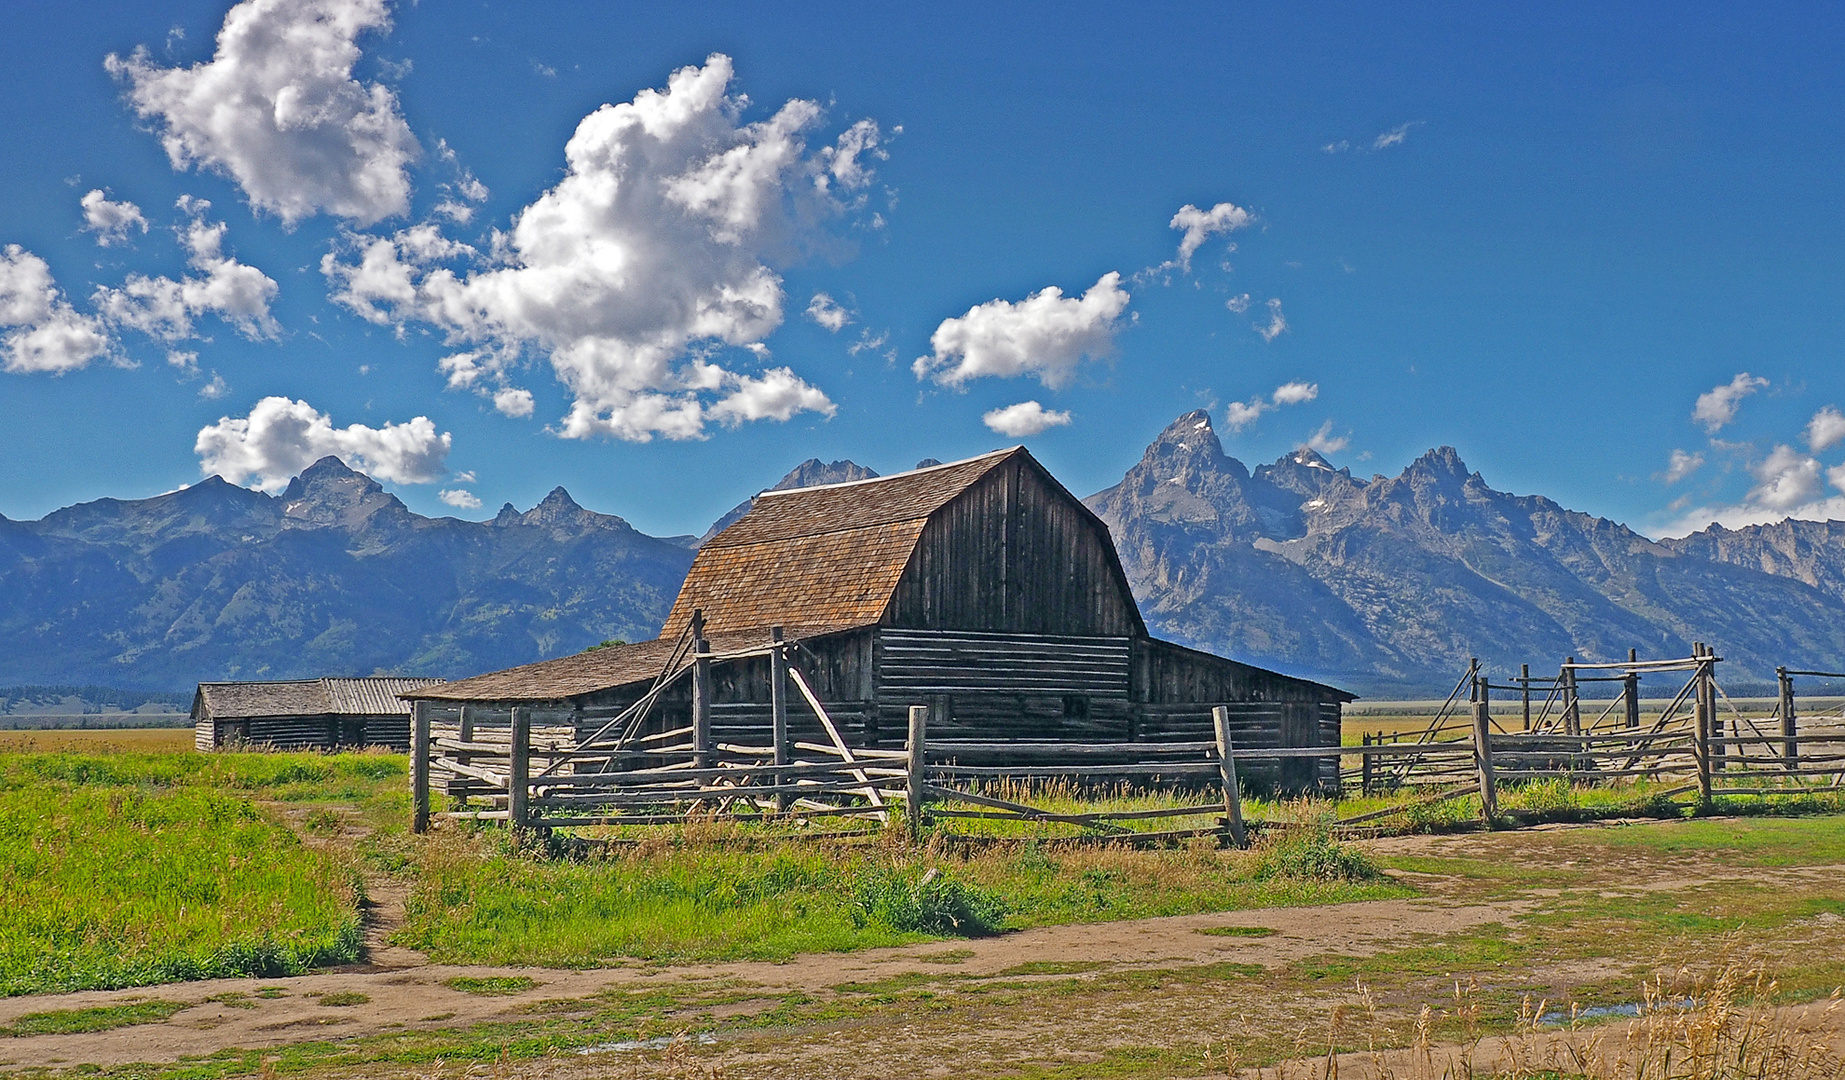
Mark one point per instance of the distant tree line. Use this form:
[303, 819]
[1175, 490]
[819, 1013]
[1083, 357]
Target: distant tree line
[95, 698]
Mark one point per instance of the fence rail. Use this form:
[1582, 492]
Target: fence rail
[542, 775]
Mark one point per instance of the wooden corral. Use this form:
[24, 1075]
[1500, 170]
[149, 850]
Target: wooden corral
[305, 714]
[981, 589]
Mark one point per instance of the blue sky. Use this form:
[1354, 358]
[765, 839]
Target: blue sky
[1570, 241]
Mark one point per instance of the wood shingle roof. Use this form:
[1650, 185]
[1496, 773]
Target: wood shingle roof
[597, 669]
[827, 556]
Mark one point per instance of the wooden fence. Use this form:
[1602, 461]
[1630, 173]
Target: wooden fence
[538, 768]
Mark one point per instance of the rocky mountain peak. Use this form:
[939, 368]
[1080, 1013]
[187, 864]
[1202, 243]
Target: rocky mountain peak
[558, 509]
[1442, 464]
[1188, 453]
[1304, 472]
[813, 473]
[508, 515]
[810, 473]
[329, 493]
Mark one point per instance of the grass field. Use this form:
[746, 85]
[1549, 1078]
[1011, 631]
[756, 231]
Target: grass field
[97, 741]
[475, 902]
[124, 869]
[124, 866]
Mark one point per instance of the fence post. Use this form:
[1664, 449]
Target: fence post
[1572, 706]
[1364, 768]
[1718, 752]
[701, 693]
[1790, 746]
[1701, 712]
[419, 766]
[1226, 770]
[1483, 749]
[519, 775]
[778, 706]
[1524, 683]
[914, 795]
[1630, 686]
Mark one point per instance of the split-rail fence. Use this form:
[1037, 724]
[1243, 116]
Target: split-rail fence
[536, 768]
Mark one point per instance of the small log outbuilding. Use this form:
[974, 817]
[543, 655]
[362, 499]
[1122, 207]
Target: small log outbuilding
[981, 588]
[305, 714]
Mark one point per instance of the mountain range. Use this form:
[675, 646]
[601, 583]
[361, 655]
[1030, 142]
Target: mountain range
[1390, 584]
[1385, 586]
[335, 575]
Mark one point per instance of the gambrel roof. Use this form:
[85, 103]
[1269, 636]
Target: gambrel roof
[814, 560]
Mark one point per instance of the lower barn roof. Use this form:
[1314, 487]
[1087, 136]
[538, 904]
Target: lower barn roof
[614, 666]
[605, 668]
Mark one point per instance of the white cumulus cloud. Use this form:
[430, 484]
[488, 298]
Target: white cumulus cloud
[162, 307]
[1394, 137]
[1788, 484]
[1296, 393]
[280, 437]
[459, 498]
[513, 401]
[110, 221]
[656, 250]
[1681, 464]
[1047, 335]
[277, 110]
[1826, 429]
[826, 311]
[1718, 407]
[1025, 419]
[1241, 414]
[43, 333]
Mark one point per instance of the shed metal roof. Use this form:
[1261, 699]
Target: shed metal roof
[366, 696]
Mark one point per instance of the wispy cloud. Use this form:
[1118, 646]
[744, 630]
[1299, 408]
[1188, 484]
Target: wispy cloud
[826, 312]
[1241, 414]
[1325, 443]
[1717, 407]
[1277, 323]
[1396, 136]
[1682, 464]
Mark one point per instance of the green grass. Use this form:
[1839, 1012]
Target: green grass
[475, 901]
[491, 985]
[132, 869]
[342, 999]
[100, 1018]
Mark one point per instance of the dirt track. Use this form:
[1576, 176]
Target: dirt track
[415, 996]
[406, 993]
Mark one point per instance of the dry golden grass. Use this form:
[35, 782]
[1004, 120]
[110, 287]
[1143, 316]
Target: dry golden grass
[97, 740]
[1718, 1022]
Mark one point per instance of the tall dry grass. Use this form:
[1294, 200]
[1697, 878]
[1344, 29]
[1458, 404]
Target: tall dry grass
[1719, 1022]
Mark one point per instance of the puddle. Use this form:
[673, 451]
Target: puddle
[703, 1038]
[1632, 1009]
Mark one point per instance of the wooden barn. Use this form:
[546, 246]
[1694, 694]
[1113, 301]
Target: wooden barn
[981, 588]
[305, 714]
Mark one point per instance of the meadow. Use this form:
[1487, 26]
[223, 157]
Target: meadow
[131, 866]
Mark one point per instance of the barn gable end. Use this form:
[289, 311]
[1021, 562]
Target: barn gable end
[1015, 552]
